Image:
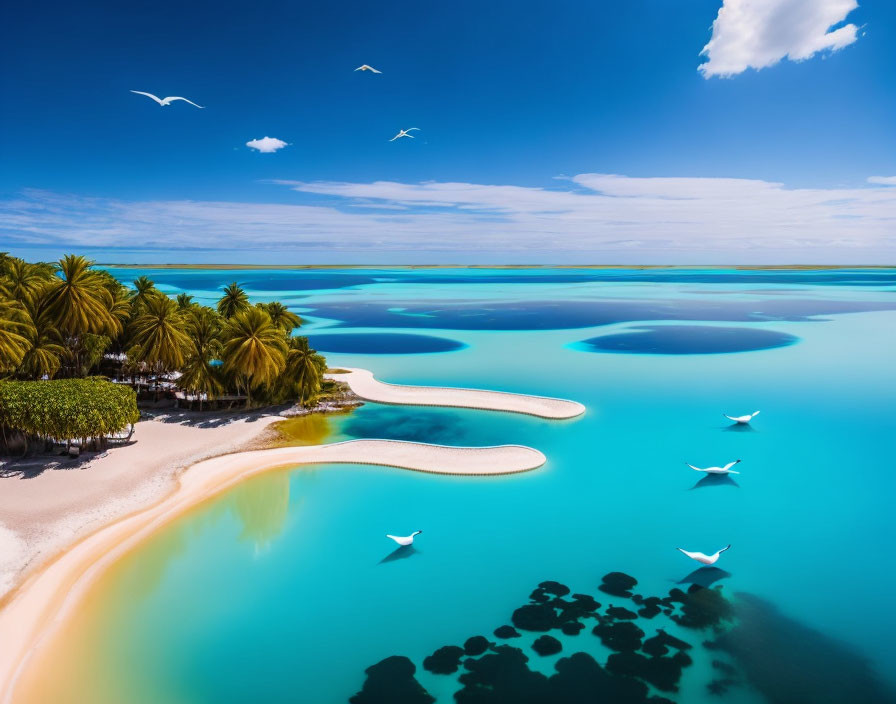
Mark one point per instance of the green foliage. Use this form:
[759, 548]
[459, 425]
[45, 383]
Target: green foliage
[281, 316]
[78, 299]
[67, 409]
[233, 301]
[304, 370]
[254, 349]
[199, 375]
[13, 334]
[60, 321]
[159, 331]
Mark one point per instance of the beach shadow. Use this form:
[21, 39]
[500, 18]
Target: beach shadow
[402, 552]
[210, 419]
[739, 428]
[704, 576]
[714, 480]
[32, 467]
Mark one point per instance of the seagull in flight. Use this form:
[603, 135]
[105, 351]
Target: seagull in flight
[743, 420]
[716, 470]
[703, 558]
[166, 101]
[367, 67]
[404, 540]
[404, 133]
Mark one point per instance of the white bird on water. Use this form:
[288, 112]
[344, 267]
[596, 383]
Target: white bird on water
[702, 557]
[367, 67]
[166, 101]
[716, 470]
[406, 539]
[404, 133]
[742, 419]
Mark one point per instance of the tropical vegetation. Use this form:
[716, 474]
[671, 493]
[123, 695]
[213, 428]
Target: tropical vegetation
[86, 410]
[69, 320]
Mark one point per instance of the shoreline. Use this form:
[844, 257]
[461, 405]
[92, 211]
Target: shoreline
[84, 521]
[38, 608]
[47, 503]
[363, 384]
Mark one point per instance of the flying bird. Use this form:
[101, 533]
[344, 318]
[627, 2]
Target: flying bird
[705, 559]
[742, 419]
[366, 67]
[716, 470]
[166, 101]
[404, 133]
[404, 540]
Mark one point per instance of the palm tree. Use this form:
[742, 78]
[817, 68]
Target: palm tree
[233, 301]
[254, 349]
[184, 300]
[304, 369]
[79, 305]
[281, 316]
[118, 303]
[76, 298]
[14, 329]
[199, 375]
[45, 351]
[144, 288]
[159, 332]
[24, 281]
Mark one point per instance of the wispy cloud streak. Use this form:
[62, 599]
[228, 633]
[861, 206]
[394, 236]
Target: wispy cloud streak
[672, 219]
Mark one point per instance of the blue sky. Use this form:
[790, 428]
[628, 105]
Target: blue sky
[509, 95]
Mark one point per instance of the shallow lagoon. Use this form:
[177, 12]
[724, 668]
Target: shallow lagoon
[278, 591]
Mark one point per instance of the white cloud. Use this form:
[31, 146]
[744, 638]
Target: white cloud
[266, 145]
[589, 218]
[759, 33]
[883, 180]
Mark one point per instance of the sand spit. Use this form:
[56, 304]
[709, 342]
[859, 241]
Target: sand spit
[362, 382]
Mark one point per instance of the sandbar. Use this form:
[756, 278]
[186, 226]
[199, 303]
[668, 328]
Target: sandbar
[363, 383]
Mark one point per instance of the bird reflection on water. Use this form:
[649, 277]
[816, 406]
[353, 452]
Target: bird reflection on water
[715, 480]
[402, 552]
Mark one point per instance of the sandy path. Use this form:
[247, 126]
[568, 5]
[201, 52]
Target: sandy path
[37, 609]
[364, 385]
[42, 512]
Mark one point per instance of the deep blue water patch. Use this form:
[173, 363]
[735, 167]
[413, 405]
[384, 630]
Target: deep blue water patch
[560, 315]
[441, 428]
[688, 339]
[383, 343]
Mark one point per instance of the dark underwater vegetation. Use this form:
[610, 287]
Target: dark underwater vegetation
[747, 641]
[441, 428]
[687, 339]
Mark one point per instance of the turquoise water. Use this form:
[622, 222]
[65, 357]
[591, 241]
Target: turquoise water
[277, 591]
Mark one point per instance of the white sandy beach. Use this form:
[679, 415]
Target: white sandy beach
[61, 526]
[44, 509]
[362, 382]
[42, 603]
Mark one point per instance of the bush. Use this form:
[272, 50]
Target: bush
[66, 409]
